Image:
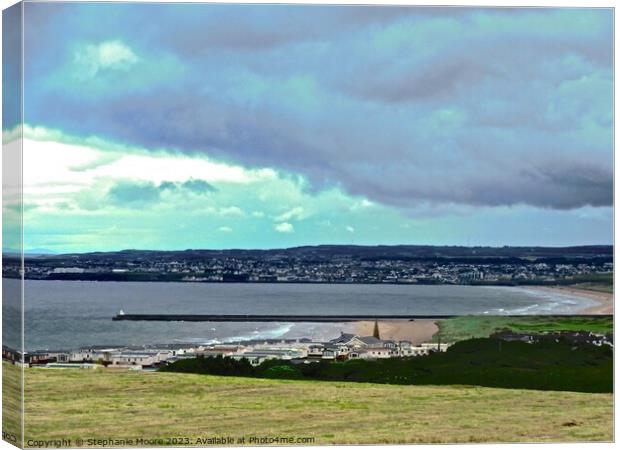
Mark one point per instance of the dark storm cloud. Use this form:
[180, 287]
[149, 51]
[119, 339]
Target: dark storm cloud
[456, 106]
[442, 78]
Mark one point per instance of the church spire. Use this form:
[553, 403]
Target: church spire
[375, 332]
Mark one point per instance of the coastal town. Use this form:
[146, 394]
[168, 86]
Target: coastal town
[347, 346]
[316, 265]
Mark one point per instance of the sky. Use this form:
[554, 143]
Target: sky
[174, 126]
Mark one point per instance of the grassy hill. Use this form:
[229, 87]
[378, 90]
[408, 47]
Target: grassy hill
[103, 403]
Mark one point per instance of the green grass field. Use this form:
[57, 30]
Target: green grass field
[11, 404]
[467, 327]
[83, 404]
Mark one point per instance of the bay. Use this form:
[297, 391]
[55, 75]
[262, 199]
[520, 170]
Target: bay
[72, 314]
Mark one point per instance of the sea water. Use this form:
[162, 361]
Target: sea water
[71, 314]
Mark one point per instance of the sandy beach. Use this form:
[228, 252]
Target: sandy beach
[604, 300]
[422, 330]
[416, 331]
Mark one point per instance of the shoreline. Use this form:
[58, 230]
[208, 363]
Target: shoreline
[604, 300]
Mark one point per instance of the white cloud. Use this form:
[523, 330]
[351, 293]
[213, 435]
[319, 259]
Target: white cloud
[225, 229]
[284, 227]
[296, 213]
[258, 214]
[61, 165]
[231, 211]
[109, 55]
[168, 167]
[350, 229]
[362, 204]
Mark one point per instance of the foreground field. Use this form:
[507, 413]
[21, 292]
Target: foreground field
[103, 404]
[11, 404]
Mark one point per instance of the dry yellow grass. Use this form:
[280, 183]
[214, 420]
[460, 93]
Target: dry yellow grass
[83, 404]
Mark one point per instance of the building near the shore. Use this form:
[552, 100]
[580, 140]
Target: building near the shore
[344, 347]
[146, 358]
[351, 346]
[572, 337]
[376, 353]
[58, 365]
[220, 350]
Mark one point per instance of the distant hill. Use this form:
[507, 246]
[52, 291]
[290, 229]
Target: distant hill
[329, 252]
[31, 252]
